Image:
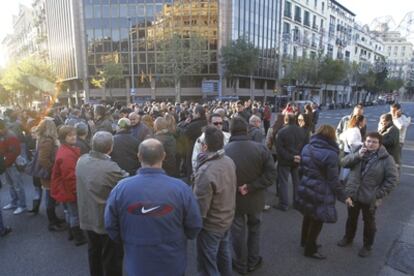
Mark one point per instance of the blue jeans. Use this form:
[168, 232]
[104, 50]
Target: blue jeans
[213, 253]
[1, 224]
[71, 213]
[14, 178]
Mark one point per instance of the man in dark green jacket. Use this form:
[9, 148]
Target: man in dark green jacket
[373, 176]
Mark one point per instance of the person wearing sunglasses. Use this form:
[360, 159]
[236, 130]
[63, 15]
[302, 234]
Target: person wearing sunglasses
[216, 121]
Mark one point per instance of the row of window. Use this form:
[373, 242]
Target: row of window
[307, 16]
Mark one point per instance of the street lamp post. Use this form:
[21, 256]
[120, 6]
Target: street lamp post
[131, 47]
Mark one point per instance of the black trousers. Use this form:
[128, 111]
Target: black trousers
[311, 229]
[266, 125]
[105, 256]
[368, 216]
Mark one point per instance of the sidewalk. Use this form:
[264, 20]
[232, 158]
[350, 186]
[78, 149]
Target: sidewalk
[400, 259]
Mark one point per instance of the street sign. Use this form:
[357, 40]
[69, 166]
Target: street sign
[209, 86]
[133, 92]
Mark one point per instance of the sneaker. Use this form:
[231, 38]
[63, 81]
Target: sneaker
[19, 210]
[344, 242]
[364, 252]
[317, 255]
[9, 207]
[266, 207]
[6, 231]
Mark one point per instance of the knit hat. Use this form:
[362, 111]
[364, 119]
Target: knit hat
[124, 123]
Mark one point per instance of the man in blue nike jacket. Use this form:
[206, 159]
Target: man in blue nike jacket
[153, 215]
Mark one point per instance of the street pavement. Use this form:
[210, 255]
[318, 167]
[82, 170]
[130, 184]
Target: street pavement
[32, 250]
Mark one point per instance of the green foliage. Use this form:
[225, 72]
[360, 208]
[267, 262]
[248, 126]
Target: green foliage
[332, 71]
[304, 71]
[239, 58]
[28, 77]
[110, 72]
[182, 56]
[393, 84]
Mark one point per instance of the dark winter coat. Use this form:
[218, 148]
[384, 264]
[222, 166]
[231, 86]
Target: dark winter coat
[140, 131]
[170, 146]
[191, 132]
[316, 191]
[290, 141]
[254, 167]
[375, 182]
[63, 181]
[391, 141]
[256, 134]
[103, 124]
[83, 145]
[125, 152]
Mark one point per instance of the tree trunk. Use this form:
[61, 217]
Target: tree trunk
[110, 91]
[104, 93]
[251, 87]
[178, 90]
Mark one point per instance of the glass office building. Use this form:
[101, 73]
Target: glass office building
[111, 25]
[99, 32]
[257, 20]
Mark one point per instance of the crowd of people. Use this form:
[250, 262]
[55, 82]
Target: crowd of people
[136, 182]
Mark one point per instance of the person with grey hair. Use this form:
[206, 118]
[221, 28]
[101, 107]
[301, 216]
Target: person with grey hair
[145, 209]
[138, 129]
[255, 132]
[82, 131]
[96, 176]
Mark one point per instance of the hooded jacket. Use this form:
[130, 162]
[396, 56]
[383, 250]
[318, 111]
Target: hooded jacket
[375, 182]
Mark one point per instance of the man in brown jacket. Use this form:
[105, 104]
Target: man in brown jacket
[215, 189]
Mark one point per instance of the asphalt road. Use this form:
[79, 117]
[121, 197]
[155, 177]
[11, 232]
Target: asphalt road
[32, 250]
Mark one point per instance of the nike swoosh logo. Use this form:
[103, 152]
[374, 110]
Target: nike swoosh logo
[144, 211]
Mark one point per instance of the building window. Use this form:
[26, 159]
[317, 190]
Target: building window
[306, 20]
[314, 23]
[330, 51]
[316, 3]
[296, 34]
[298, 14]
[286, 28]
[323, 7]
[288, 9]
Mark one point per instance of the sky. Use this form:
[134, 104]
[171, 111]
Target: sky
[366, 11]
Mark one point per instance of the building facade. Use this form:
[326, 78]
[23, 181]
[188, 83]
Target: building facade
[132, 33]
[399, 53]
[369, 50]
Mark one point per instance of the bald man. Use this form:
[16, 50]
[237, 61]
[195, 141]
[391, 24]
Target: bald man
[153, 215]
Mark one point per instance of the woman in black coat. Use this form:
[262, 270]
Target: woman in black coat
[168, 140]
[316, 191]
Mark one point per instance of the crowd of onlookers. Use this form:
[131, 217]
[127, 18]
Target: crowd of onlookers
[117, 172]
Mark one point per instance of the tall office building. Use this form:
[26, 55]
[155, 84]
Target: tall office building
[98, 32]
